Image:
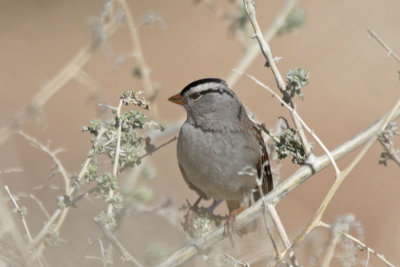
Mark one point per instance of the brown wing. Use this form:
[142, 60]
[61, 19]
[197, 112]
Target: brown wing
[191, 186]
[263, 168]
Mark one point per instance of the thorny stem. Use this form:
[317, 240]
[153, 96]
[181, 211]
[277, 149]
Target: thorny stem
[277, 222]
[52, 155]
[392, 152]
[253, 50]
[318, 215]
[251, 12]
[296, 115]
[385, 46]
[28, 233]
[361, 244]
[114, 241]
[59, 211]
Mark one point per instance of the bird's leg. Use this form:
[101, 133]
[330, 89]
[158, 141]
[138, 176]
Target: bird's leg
[229, 226]
[195, 206]
[212, 207]
[192, 213]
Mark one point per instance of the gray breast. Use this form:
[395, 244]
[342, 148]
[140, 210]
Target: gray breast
[222, 165]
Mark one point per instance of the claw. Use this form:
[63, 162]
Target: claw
[229, 226]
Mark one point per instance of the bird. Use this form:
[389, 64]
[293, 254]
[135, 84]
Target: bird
[220, 150]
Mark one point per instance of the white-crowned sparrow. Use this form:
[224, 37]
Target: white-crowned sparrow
[220, 150]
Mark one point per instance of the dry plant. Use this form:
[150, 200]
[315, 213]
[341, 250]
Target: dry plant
[126, 139]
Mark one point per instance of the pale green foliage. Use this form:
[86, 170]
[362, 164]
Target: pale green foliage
[297, 79]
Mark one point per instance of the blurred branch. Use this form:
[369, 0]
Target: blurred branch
[47, 91]
[360, 244]
[127, 257]
[52, 155]
[320, 212]
[301, 175]
[138, 53]
[384, 45]
[60, 211]
[21, 212]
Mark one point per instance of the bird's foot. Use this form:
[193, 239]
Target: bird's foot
[230, 226]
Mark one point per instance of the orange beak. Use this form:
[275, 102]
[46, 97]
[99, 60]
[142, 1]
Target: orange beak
[177, 99]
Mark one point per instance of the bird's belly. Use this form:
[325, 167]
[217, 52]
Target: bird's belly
[221, 170]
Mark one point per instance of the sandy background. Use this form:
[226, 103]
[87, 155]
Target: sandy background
[353, 82]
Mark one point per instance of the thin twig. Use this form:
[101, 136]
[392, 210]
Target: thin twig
[318, 215]
[394, 155]
[63, 212]
[253, 50]
[135, 39]
[14, 201]
[115, 242]
[321, 210]
[10, 170]
[361, 244]
[295, 114]
[385, 46]
[41, 206]
[52, 87]
[52, 155]
[301, 175]
[173, 139]
[266, 50]
[329, 250]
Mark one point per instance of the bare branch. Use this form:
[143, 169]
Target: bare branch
[115, 242]
[52, 155]
[253, 51]
[384, 45]
[135, 39]
[266, 50]
[52, 87]
[21, 213]
[361, 244]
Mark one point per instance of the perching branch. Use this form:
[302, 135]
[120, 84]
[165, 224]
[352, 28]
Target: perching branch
[301, 175]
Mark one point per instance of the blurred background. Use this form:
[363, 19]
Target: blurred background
[353, 82]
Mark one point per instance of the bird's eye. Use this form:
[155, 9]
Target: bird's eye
[195, 96]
